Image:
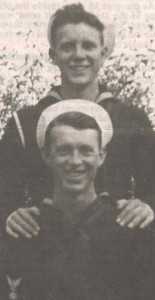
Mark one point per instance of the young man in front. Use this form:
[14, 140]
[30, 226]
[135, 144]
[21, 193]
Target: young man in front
[81, 252]
[77, 46]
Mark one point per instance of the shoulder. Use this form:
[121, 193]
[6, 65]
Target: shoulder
[25, 120]
[36, 109]
[28, 116]
[105, 232]
[126, 115]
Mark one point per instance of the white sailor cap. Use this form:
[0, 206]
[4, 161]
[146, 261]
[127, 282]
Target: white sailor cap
[98, 113]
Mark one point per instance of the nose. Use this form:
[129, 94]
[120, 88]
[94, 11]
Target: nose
[79, 52]
[75, 158]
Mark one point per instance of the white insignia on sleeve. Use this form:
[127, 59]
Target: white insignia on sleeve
[13, 284]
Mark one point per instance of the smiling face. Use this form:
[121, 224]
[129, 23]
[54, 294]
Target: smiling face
[74, 155]
[78, 51]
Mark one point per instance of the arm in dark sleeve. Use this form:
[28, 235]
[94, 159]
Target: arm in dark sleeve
[11, 171]
[143, 158]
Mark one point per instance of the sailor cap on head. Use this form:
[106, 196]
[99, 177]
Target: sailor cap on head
[86, 107]
[108, 34]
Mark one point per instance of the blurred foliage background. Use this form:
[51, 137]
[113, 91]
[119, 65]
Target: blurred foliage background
[27, 74]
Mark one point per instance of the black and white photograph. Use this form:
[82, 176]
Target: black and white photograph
[77, 150]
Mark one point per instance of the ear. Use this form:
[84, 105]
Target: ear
[52, 55]
[102, 156]
[104, 53]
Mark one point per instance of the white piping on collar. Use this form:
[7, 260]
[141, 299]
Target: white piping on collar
[55, 94]
[19, 128]
[101, 97]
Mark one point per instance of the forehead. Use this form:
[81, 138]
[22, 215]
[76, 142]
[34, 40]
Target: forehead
[78, 32]
[63, 134]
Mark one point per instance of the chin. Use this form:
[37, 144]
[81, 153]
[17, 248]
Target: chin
[74, 189]
[80, 83]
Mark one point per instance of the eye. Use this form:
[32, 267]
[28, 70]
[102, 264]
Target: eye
[67, 46]
[63, 151]
[86, 151]
[88, 45]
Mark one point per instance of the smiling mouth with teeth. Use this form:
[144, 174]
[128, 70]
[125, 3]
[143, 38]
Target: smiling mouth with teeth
[75, 173]
[79, 68]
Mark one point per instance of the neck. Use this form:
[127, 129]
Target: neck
[80, 92]
[73, 204]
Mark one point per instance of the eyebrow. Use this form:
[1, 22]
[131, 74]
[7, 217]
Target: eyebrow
[68, 145]
[86, 147]
[74, 40]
